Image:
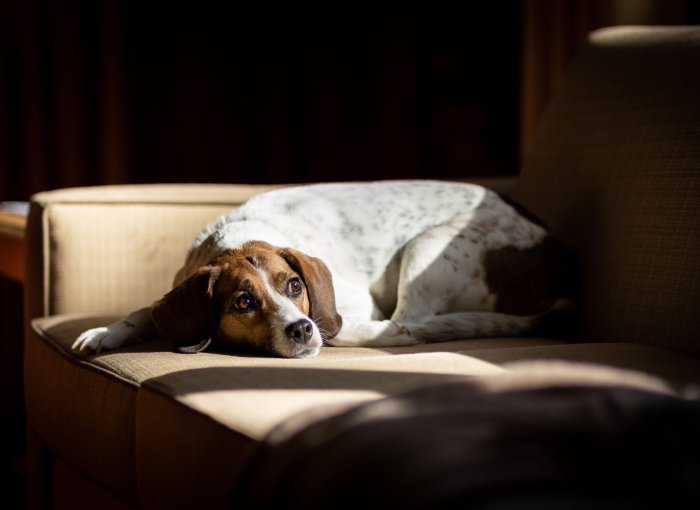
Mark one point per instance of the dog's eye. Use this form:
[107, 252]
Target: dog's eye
[243, 303]
[294, 287]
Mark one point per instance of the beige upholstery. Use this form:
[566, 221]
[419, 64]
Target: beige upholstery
[117, 247]
[613, 170]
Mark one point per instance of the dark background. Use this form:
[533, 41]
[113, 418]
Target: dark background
[110, 92]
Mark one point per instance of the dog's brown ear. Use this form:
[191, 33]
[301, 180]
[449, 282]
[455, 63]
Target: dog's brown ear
[185, 315]
[319, 284]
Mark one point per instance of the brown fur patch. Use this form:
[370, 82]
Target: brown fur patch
[240, 275]
[319, 283]
[528, 281]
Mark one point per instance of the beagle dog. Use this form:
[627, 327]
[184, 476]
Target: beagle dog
[357, 264]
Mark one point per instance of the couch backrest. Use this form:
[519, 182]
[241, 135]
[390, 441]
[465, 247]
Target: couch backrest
[111, 249]
[614, 170]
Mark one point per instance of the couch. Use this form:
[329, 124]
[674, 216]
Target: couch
[614, 171]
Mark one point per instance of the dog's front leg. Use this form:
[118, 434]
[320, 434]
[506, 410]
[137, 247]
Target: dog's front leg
[363, 324]
[117, 334]
[384, 333]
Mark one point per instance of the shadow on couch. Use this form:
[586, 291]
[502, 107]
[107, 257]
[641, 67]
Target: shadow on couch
[453, 446]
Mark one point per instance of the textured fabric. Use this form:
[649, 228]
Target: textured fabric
[253, 394]
[615, 170]
[109, 248]
[200, 415]
[83, 417]
[180, 417]
[213, 194]
[74, 491]
[154, 358]
[680, 370]
[452, 446]
[107, 258]
[184, 459]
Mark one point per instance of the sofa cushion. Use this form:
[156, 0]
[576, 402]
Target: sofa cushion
[173, 417]
[336, 375]
[82, 413]
[614, 170]
[105, 414]
[679, 371]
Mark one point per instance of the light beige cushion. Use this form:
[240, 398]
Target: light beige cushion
[615, 170]
[169, 413]
[146, 420]
[116, 248]
[83, 414]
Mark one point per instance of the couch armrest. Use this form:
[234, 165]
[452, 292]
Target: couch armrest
[115, 248]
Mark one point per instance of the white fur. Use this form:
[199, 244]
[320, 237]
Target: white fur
[117, 334]
[405, 256]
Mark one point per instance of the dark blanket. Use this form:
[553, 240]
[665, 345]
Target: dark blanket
[453, 446]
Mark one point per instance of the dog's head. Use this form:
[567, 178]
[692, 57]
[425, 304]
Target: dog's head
[278, 300]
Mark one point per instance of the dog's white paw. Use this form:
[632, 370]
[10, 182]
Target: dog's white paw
[373, 334]
[102, 338]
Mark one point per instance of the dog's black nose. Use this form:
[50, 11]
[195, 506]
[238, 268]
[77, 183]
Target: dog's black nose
[300, 331]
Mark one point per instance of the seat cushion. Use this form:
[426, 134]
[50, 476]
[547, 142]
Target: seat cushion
[162, 419]
[169, 413]
[336, 375]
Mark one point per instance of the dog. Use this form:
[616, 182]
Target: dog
[378, 264]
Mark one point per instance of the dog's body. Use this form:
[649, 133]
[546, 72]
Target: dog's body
[376, 264]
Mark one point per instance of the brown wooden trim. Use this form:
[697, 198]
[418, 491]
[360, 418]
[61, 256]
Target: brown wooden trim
[12, 257]
[12, 227]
